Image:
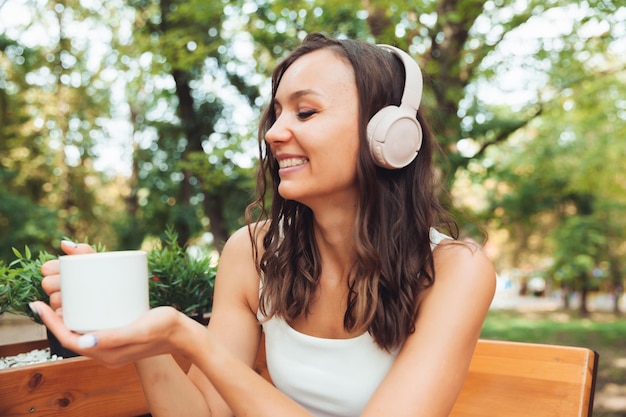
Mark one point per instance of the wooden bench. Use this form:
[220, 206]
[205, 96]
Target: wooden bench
[509, 379]
[506, 379]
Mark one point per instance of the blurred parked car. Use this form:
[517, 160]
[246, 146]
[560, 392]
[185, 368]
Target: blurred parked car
[536, 286]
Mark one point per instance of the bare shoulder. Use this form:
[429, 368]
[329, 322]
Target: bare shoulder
[237, 275]
[464, 265]
[241, 241]
[465, 283]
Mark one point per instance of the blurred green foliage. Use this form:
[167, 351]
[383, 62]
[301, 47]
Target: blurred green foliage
[179, 279]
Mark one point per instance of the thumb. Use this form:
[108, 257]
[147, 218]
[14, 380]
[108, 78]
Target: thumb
[72, 248]
[54, 323]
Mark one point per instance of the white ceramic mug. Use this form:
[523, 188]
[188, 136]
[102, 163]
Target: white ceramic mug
[103, 290]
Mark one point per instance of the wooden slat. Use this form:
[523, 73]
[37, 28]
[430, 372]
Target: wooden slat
[522, 379]
[17, 348]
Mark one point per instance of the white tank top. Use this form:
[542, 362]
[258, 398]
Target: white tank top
[328, 377]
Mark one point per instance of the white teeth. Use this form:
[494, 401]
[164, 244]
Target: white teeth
[291, 162]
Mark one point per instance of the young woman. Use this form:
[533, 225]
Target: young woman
[367, 308]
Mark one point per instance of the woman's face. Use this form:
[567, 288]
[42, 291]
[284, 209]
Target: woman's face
[315, 137]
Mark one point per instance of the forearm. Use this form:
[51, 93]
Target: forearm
[168, 390]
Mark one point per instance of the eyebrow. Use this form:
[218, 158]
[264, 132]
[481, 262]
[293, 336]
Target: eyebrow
[297, 94]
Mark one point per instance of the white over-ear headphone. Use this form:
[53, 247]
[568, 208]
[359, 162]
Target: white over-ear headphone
[393, 133]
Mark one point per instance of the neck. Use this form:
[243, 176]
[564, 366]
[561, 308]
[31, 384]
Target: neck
[334, 233]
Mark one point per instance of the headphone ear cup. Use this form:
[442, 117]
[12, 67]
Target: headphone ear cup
[394, 136]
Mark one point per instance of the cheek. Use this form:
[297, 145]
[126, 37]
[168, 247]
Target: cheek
[340, 142]
[351, 147]
[344, 157]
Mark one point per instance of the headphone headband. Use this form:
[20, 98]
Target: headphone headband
[413, 84]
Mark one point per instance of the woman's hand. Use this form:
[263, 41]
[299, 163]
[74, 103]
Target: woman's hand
[159, 331]
[51, 282]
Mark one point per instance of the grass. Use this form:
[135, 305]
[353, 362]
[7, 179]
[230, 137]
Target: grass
[603, 332]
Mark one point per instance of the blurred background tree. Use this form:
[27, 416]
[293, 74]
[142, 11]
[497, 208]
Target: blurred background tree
[119, 118]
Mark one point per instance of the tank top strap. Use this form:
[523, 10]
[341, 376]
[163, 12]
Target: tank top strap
[436, 237]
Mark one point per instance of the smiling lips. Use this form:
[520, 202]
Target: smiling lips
[291, 162]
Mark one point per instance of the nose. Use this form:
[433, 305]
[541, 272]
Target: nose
[279, 131]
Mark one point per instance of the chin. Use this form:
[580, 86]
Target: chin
[289, 193]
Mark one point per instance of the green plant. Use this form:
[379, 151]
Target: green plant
[20, 282]
[179, 279]
[4, 289]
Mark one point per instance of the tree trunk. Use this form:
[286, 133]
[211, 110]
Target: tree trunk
[618, 292]
[584, 290]
[567, 295]
[618, 283]
[213, 209]
[187, 115]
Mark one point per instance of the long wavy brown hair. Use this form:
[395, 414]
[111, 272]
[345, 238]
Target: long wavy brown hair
[396, 210]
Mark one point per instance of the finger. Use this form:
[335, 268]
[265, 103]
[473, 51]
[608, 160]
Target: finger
[50, 267]
[55, 301]
[68, 339]
[72, 248]
[53, 322]
[51, 283]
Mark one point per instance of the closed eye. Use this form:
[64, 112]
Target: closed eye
[303, 115]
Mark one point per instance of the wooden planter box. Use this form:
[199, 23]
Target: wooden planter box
[76, 387]
[70, 387]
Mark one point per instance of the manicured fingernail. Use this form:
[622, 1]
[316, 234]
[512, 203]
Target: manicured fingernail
[35, 311]
[33, 308]
[69, 243]
[87, 341]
